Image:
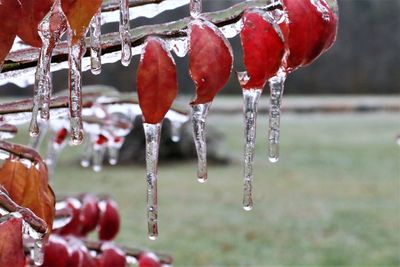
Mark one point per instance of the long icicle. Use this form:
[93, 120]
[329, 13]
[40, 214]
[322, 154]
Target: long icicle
[199, 115]
[152, 135]
[76, 52]
[126, 51]
[95, 43]
[251, 99]
[276, 85]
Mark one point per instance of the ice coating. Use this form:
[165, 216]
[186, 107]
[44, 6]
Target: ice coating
[199, 115]
[152, 137]
[126, 51]
[95, 43]
[195, 7]
[251, 98]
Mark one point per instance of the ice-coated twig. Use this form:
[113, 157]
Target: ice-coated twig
[276, 85]
[126, 51]
[152, 135]
[95, 43]
[76, 52]
[199, 115]
[251, 98]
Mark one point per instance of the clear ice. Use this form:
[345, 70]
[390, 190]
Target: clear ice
[199, 115]
[76, 52]
[195, 7]
[276, 85]
[152, 136]
[251, 98]
[95, 43]
[126, 51]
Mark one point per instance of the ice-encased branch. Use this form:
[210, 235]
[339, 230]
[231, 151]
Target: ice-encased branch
[23, 61]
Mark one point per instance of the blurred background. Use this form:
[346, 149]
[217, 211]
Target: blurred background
[332, 200]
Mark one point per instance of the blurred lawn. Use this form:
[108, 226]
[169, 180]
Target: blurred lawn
[332, 200]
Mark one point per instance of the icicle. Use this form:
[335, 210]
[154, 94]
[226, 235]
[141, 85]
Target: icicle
[276, 85]
[87, 153]
[113, 150]
[199, 115]
[35, 141]
[126, 52]
[54, 150]
[251, 98]
[176, 131]
[76, 52]
[38, 252]
[195, 8]
[95, 43]
[152, 135]
[99, 149]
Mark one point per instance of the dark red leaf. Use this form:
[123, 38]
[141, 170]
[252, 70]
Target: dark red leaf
[263, 49]
[55, 252]
[111, 256]
[157, 84]
[148, 259]
[11, 248]
[210, 60]
[10, 13]
[33, 12]
[79, 13]
[90, 212]
[109, 220]
[310, 31]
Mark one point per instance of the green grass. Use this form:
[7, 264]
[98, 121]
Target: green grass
[332, 200]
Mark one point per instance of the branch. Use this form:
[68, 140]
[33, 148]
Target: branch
[23, 62]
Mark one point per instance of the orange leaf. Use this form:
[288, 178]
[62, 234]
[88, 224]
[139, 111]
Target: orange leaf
[11, 248]
[10, 13]
[33, 12]
[79, 13]
[29, 188]
[157, 85]
[210, 60]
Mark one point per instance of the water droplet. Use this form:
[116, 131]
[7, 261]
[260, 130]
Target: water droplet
[152, 135]
[251, 98]
[95, 43]
[276, 85]
[76, 52]
[199, 115]
[126, 51]
[195, 7]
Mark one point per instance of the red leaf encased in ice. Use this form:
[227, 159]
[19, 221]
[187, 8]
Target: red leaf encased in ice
[33, 12]
[210, 60]
[79, 13]
[263, 49]
[11, 247]
[10, 13]
[157, 84]
[311, 31]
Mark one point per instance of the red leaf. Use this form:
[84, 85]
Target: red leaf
[111, 255]
[33, 12]
[55, 252]
[263, 49]
[11, 248]
[29, 188]
[310, 31]
[157, 85]
[79, 13]
[10, 13]
[109, 223]
[210, 60]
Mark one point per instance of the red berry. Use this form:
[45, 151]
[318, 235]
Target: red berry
[109, 220]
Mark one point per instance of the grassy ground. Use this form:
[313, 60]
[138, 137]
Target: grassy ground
[332, 200]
